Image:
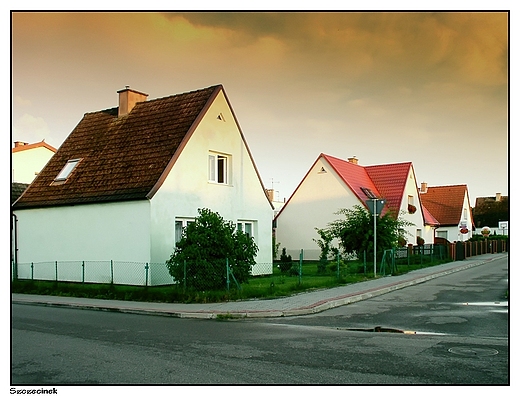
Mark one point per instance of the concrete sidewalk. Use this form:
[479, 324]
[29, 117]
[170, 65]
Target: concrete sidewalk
[300, 304]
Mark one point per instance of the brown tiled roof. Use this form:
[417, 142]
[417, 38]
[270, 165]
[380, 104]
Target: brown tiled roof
[17, 189]
[445, 203]
[123, 158]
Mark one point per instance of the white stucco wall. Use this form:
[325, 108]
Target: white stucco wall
[27, 163]
[416, 218]
[98, 232]
[187, 187]
[313, 205]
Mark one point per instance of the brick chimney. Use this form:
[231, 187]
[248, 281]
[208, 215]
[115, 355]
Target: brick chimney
[270, 194]
[353, 160]
[424, 187]
[498, 197]
[19, 144]
[127, 100]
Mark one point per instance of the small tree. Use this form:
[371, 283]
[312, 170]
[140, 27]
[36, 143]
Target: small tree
[200, 255]
[285, 261]
[327, 251]
[356, 231]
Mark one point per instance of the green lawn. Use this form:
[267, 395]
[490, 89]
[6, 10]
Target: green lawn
[259, 287]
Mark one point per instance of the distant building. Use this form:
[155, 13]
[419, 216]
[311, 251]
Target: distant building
[492, 212]
[28, 159]
[332, 184]
[450, 205]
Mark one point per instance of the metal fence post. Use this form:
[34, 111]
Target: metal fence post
[111, 271]
[32, 271]
[82, 272]
[337, 259]
[301, 265]
[365, 262]
[227, 274]
[184, 274]
[56, 270]
[146, 267]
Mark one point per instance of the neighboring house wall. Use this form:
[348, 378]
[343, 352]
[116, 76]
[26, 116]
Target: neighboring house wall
[113, 231]
[187, 188]
[313, 205]
[94, 234]
[452, 233]
[411, 196]
[27, 163]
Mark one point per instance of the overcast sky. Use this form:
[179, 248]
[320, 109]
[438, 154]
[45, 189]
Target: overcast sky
[386, 87]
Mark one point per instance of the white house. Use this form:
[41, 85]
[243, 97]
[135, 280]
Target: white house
[450, 205]
[332, 184]
[128, 179]
[27, 160]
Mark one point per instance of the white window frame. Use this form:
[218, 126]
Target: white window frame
[183, 223]
[243, 226]
[67, 169]
[441, 234]
[218, 168]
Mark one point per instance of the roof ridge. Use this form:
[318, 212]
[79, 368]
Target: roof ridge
[160, 98]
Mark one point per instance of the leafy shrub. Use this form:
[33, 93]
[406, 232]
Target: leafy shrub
[206, 244]
[285, 262]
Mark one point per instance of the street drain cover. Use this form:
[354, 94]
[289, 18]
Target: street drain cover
[472, 351]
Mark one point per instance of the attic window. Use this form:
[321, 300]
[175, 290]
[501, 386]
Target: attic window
[322, 170]
[218, 168]
[67, 170]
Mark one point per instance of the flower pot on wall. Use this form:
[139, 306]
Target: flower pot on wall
[411, 209]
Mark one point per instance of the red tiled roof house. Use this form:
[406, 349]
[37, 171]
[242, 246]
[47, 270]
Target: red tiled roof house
[332, 184]
[128, 179]
[450, 205]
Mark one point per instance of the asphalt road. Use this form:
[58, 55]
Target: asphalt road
[453, 337]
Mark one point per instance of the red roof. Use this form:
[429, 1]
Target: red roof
[391, 182]
[428, 218]
[445, 203]
[29, 146]
[386, 181]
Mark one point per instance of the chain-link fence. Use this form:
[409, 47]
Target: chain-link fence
[132, 273]
[294, 266]
[112, 272]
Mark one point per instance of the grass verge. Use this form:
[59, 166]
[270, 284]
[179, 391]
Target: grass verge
[262, 287]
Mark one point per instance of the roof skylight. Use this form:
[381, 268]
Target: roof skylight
[67, 170]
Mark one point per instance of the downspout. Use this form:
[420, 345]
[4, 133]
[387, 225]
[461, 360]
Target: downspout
[14, 253]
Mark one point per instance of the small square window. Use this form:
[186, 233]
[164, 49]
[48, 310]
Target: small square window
[218, 168]
[67, 170]
[246, 227]
[180, 226]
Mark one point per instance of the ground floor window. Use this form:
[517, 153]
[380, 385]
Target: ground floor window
[442, 234]
[180, 225]
[247, 227]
